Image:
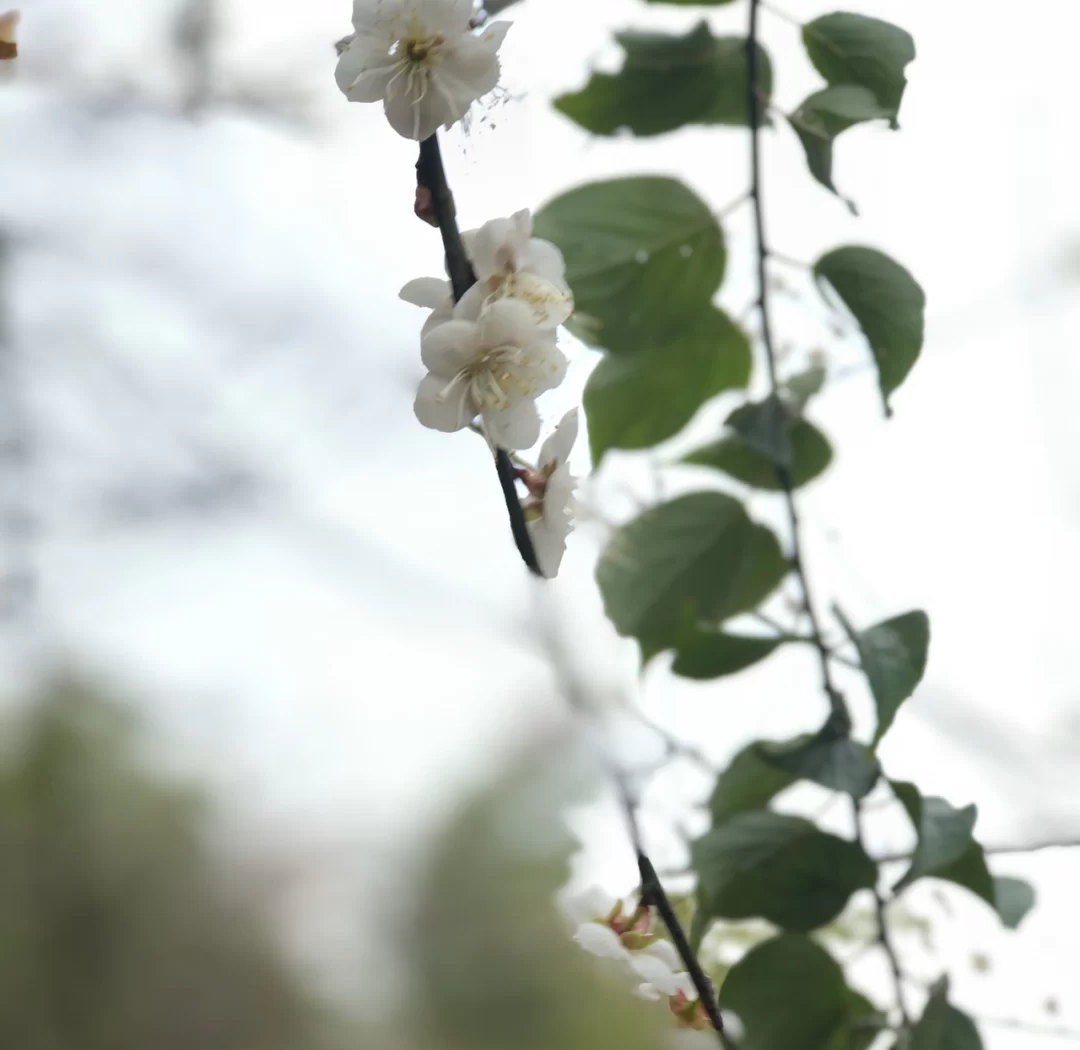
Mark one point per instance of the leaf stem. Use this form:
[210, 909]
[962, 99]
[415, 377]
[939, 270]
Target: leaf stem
[431, 175]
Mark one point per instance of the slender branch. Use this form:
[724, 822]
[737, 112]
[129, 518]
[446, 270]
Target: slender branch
[431, 176]
[676, 747]
[838, 709]
[781, 14]
[883, 938]
[1030, 1027]
[792, 636]
[1020, 847]
[653, 895]
[783, 472]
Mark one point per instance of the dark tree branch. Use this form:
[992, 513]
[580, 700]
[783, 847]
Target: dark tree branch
[653, 895]
[431, 176]
[838, 710]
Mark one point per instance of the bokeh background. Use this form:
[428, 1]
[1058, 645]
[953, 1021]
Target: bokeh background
[217, 509]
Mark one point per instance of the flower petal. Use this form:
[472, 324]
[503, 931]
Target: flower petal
[439, 410]
[443, 16]
[507, 322]
[665, 952]
[600, 940]
[428, 292]
[468, 70]
[450, 347]
[549, 544]
[654, 971]
[471, 304]
[556, 449]
[514, 427]
[494, 33]
[379, 17]
[416, 111]
[586, 906]
[495, 249]
[364, 71]
[440, 315]
[544, 259]
[546, 363]
[551, 303]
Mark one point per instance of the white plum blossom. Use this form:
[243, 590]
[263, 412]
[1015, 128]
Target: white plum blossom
[494, 368]
[604, 930]
[509, 263]
[421, 59]
[549, 510]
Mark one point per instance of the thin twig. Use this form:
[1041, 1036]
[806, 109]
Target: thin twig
[783, 473]
[838, 710]
[781, 14]
[1030, 1027]
[1019, 847]
[883, 938]
[676, 747]
[431, 175]
[653, 895]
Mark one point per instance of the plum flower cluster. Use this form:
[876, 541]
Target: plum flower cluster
[421, 58]
[491, 354]
[604, 928]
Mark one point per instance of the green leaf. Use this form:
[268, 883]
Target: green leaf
[854, 49]
[748, 783]
[887, 303]
[802, 386]
[944, 833]
[861, 1027]
[810, 450]
[825, 115]
[893, 657]
[666, 82]
[701, 551]
[644, 256]
[706, 652]
[763, 426]
[947, 850]
[832, 760]
[636, 400]
[789, 993]
[780, 868]
[1013, 899]
[942, 1026]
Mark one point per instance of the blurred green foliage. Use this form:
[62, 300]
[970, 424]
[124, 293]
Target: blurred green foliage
[118, 928]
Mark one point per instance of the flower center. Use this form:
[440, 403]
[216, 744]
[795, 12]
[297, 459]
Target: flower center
[494, 380]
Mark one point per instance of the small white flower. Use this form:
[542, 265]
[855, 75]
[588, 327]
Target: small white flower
[421, 59]
[493, 368]
[549, 510]
[509, 263]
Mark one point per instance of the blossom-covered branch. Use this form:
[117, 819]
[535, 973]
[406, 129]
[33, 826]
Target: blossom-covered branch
[490, 341]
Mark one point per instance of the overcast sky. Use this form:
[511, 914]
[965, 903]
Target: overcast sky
[345, 656]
